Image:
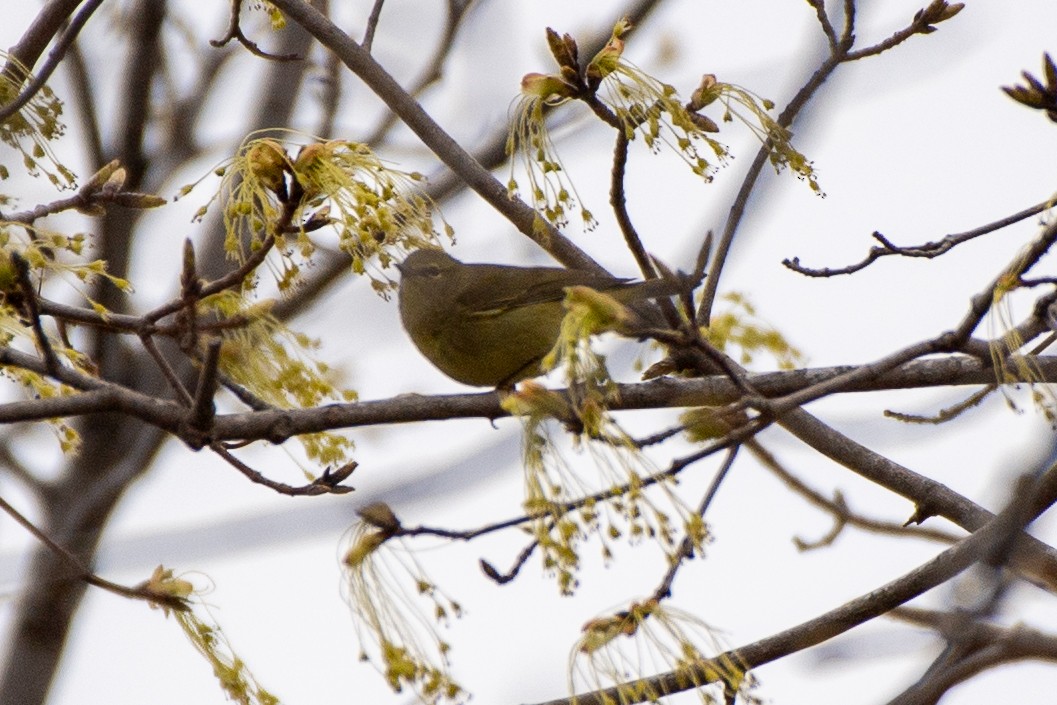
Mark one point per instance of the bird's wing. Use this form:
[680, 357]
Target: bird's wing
[492, 293]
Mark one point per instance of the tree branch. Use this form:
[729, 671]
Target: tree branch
[873, 604]
[927, 250]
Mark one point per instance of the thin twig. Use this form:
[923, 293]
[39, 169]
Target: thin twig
[947, 413]
[931, 498]
[655, 438]
[956, 339]
[840, 511]
[29, 301]
[52, 62]
[519, 563]
[41, 490]
[79, 572]
[824, 22]
[686, 546]
[231, 279]
[203, 410]
[330, 99]
[748, 184]
[922, 23]
[618, 199]
[167, 371]
[372, 25]
[234, 31]
[133, 325]
[328, 483]
[85, 98]
[927, 250]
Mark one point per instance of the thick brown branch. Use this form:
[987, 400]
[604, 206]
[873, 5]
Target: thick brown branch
[279, 425]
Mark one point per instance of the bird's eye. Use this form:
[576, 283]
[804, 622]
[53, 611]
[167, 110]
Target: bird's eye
[432, 271]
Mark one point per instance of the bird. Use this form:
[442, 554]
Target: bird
[491, 325]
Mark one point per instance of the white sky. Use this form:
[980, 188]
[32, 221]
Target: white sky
[917, 143]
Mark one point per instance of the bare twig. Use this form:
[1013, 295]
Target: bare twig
[79, 572]
[927, 250]
[85, 100]
[824, 21]
[167, 371]
[956, 339]
[202, 409]
[963, 644]
[993, 645]
[922, 23]
[29, 302]
[1036, 561]
[948, 413]
[229, 280]
[328, 483]
[618, 199]
[803, 96]
[842, 514]
[1023, 262]
[372, 25]
[18, 470]
[685, 550]
[658, 437]
[129, 324]
[331, 96]
[522, 558]
[234, 31]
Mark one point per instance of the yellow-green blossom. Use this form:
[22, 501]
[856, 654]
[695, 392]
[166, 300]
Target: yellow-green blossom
[234, 677]
[395, 635]
[376, 211]
[756, 117]
[651, 108]
[529, 145]
[53, 260]
[275, 364]
[568, 505]
[740, 328]
[651, 637]
[33, 126]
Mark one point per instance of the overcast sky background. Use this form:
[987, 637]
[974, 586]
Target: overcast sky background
[917, 143]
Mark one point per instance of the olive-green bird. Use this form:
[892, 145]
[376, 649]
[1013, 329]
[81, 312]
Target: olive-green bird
[490, 325]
